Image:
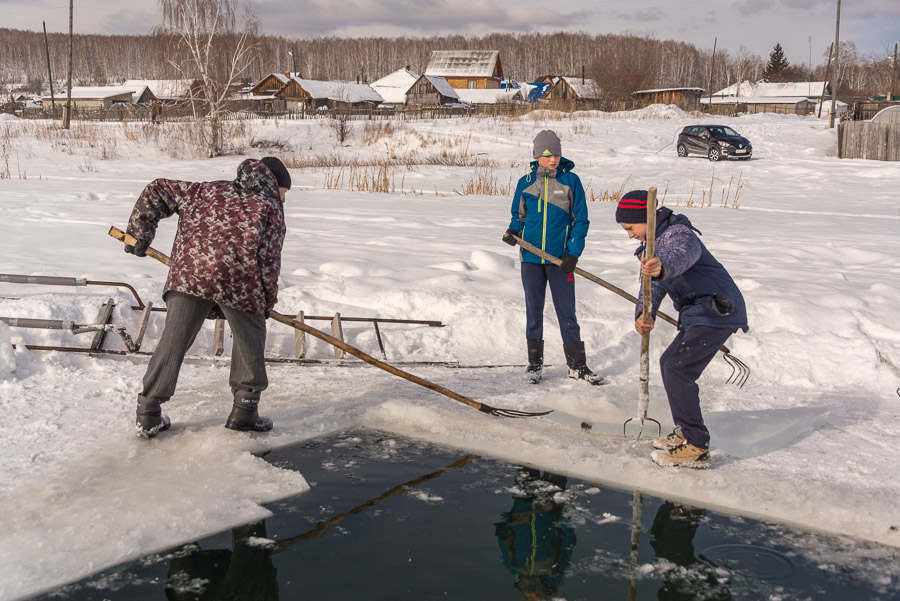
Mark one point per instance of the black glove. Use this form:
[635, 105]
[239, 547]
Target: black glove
[723, 304]
[139, 249]
[568, 263]
[508, 237]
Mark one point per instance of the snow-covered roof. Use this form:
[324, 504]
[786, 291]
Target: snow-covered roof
[494, 96]
[754, 100]
[658, 90]
[339, 90]
[393, 87]
[164, 89]
[764, 89]
[95, 92]
[585, 88]
[463, 63]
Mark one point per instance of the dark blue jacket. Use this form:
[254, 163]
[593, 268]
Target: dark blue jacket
[700, 288]
[549, 211]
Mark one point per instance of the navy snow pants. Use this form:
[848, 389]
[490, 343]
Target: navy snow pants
[681, 365]
[535, 277]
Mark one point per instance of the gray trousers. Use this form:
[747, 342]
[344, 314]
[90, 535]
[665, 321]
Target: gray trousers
[184, 318]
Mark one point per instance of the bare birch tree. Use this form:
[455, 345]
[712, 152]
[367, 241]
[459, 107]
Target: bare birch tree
[211, 51]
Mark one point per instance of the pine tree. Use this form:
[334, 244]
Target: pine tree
[777, 67]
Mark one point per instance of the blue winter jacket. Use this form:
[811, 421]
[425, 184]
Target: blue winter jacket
[550, 212]
[700, 288]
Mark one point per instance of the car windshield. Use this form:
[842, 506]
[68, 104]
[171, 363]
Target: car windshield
[723, 131]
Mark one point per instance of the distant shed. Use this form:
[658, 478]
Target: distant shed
[685, 98]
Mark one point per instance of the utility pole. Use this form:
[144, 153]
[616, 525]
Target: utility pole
[894, 71]
[49, 72]
[67, 115]
[837, 60]
[711, 63]
[825, 83]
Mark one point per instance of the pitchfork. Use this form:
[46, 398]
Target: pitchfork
[739, 370]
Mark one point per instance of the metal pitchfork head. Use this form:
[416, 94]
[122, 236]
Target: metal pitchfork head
[498, 412]
[739, 370]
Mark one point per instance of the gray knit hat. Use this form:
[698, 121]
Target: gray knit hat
[547, 143]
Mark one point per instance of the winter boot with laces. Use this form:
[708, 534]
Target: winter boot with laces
[669, 442]
[682, 455]
[535, 361]
[150, 418]
[244, 416]
[577, 362]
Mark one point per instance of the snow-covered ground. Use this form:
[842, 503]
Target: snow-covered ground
[811, 240]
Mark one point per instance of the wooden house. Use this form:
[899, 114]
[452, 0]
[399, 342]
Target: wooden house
[300, 93]
[573, 88]
[684, 98]
[467, 69]
[94, 97]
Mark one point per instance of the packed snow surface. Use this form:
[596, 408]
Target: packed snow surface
[811, 240]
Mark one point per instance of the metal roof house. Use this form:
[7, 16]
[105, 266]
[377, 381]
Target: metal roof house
[467, 69]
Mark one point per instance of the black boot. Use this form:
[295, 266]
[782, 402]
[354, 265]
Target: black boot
[577, 362]
[244, 416]
[150, 418]
[535, 361]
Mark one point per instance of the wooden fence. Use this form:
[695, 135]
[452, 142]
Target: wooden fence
[867, 140]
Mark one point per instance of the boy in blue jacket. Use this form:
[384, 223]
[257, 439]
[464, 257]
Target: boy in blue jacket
[710, 309]
[550, 212]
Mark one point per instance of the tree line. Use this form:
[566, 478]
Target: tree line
[620, 64]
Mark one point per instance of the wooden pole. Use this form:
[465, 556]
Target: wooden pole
[649, 250]
[837, 60]
[825, 83]
[712, 62]
[49, 71]
[67, 117]
[289, 321]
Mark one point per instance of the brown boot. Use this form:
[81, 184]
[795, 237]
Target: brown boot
[669, 442]
[683, 455]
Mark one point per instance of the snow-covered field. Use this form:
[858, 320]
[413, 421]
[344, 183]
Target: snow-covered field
[811, 240]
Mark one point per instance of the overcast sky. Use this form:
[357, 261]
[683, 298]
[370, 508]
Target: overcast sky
[874, 25]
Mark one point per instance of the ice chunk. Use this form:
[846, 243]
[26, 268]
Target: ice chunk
[751, 433]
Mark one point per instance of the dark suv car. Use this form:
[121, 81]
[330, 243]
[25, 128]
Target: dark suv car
[713, 141]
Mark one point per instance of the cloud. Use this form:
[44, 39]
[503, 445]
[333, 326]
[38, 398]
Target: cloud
[641, 16]
[754, 7]
[416, 17]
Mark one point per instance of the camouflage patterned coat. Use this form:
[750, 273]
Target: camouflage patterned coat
[230, 234]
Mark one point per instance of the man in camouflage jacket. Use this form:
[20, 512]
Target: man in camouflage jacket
[225, 261]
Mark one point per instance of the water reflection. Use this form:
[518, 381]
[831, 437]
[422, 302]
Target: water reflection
[672, 538]
[536, 539]
[244, 573]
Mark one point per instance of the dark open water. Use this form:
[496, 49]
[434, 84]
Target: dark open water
[390, 518]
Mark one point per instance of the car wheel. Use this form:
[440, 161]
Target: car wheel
[682, 150]
[714, 154]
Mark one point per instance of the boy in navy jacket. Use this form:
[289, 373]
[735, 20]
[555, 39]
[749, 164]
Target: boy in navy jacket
[710, 309]
[549, 211]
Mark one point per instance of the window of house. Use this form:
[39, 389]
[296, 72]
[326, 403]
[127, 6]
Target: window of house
[471, 85]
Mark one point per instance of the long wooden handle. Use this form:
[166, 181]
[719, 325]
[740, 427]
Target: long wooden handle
[646, 316]
[131, 240]
[127, 239]
[589, 276]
